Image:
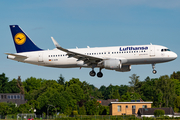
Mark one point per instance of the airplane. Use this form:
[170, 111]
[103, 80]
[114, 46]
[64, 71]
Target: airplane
[119, 58]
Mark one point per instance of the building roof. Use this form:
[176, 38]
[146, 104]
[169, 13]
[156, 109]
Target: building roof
[130, 102]
[150, 111]
[11, 94]
[106, 102]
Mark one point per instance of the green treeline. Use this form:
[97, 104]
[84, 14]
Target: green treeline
[74, 97]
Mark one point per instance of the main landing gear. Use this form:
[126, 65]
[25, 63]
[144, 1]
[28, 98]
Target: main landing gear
[100, 74]
[154, 71]
[93, 73]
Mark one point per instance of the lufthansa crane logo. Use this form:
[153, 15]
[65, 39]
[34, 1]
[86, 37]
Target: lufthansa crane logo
[20, 38]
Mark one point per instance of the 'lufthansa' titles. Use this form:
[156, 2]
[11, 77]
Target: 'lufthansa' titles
[133, 48]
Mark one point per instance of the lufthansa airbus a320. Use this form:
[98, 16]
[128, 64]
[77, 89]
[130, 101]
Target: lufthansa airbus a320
[118, 58]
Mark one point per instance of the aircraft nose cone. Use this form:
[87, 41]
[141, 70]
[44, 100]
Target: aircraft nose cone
[174, 55]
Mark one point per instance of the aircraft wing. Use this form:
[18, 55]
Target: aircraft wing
[17, 56]
[86, 58]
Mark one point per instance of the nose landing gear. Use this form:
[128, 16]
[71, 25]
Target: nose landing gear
[154, 71]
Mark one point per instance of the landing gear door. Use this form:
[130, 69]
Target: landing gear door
[40, 57]
[152, 51]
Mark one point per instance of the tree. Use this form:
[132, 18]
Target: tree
[159, 112]
[32, 83]
[159, 97]
[130, 96]
[68, 110]
[20, 85]
[134, 81]
[177, 86]
[4, 108]
[4, 88]
[116, 95]
[96, 93]
[148, 89]
[92, 107]
[82, 111]
[73, 81]
[177, 104]
[175, 75]
[25, 108]
[167, 86]
[123, 89]
[108, 93]
[61, 80]
[102, 89]
[104, 110]
[13, 88]
[52, 97]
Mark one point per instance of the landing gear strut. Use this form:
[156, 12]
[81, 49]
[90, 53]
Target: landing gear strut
[100, 74]
[154, 71]
[92, 73]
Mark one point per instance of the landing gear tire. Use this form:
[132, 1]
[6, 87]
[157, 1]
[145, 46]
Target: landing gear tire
[92, 73]
[99, 74]
[154, 71]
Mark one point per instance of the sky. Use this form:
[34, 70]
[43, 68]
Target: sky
[94, 23]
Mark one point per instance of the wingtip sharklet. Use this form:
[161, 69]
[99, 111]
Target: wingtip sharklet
[55, 42]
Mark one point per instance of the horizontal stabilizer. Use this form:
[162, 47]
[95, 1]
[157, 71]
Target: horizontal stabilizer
[17, 56]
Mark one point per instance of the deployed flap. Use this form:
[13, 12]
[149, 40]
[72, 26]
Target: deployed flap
[87, 59]
[17, 56]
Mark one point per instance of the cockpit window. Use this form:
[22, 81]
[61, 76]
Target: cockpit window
[163, 50]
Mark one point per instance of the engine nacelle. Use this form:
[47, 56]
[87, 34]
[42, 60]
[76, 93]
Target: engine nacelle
[112, 64]
[116, 64]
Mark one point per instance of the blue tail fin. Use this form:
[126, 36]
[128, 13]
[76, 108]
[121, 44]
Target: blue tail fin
[22, 42]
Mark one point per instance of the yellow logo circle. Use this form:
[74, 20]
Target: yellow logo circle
[20, 38]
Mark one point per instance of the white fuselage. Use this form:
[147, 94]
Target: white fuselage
[130, 55]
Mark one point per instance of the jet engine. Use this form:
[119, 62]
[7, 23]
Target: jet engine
[112, 64]
[116, 64]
